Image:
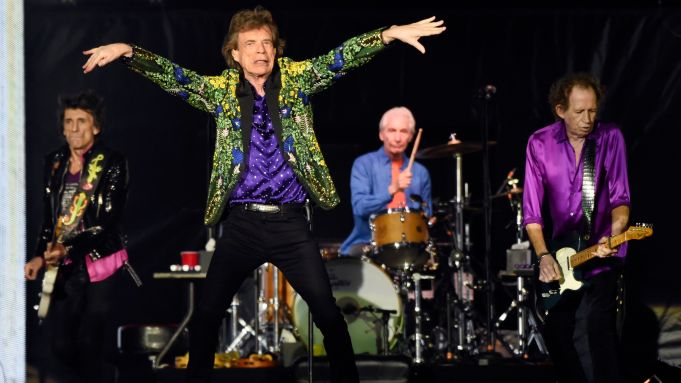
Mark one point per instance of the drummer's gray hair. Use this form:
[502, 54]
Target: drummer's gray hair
[398, 111]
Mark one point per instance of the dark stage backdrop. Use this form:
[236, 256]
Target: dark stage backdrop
[636, 51]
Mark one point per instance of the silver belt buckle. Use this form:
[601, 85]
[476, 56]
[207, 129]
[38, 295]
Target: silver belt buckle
[265, 208]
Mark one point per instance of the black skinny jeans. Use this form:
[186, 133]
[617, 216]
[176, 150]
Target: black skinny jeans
[82, 332]
[283, 239]
[581, 333]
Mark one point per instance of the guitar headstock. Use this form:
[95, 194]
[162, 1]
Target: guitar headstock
[639, 231]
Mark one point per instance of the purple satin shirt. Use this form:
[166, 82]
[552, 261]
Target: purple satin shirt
[552, 176]
[268, 177]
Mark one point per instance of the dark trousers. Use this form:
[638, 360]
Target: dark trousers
[82, 333]
[283, 239]
[581, 333]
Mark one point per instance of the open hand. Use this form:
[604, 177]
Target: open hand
[105, 54]
[410, 33]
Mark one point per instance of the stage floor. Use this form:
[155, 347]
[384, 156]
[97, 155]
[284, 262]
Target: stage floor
[372, 369]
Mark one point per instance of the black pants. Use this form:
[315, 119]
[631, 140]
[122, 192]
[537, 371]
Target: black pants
[82, 333]
[283, 239]
[581, 333]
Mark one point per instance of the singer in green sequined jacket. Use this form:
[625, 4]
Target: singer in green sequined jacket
[289, 87]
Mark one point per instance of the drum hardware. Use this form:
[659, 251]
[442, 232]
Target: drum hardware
[527, 326]
[269, 315]
[460, 245]
[385, 319]
[238, 339]
[275, 305]
[361, 289]
[417, 277]
[275, 302]
[519, 265]
[248, 329]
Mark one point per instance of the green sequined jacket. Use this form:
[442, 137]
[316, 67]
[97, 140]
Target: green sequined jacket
[289, 88]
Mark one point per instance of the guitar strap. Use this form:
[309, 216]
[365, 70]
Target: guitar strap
[88, 184]
[588, 186]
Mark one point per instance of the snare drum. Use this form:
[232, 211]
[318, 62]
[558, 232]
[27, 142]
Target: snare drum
[399, 237]
[357, 285]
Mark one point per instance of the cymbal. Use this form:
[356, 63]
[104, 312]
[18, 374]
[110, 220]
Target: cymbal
[449, 149]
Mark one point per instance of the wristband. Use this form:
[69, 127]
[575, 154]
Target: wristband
[542, 255]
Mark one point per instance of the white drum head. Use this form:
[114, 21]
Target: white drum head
[357, 285]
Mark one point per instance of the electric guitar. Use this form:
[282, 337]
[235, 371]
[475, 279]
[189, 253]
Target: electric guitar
[568, 258]
[50, 276]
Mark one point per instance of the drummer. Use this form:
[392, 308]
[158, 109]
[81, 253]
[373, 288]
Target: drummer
[381, 180]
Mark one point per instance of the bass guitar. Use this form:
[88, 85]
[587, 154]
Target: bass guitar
[568, 259]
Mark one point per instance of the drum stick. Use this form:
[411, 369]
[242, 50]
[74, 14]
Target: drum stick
[414, 149]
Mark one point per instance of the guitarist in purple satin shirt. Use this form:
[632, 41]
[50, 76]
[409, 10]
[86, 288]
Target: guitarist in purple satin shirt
[85, 188]
[576, 168]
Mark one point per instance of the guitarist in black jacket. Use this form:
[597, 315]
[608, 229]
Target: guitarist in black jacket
[576, 168]
[85, 189]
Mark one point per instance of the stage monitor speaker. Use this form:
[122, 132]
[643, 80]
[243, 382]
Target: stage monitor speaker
[371, 368]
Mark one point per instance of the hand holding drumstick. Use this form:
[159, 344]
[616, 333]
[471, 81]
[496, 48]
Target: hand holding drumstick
[405, 177]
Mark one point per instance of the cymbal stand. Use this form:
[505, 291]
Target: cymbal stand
[485, 96]
[458, 256]
[418, 336]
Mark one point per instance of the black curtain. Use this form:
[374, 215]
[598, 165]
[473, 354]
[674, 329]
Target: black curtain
[636, 51]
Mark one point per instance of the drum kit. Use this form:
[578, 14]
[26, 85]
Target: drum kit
[410, 293]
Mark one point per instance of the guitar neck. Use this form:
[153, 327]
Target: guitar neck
[586, 254]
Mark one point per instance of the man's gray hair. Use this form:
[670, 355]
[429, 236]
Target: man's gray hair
[395, 112]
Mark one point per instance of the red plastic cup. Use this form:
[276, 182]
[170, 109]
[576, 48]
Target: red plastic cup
[190, 258]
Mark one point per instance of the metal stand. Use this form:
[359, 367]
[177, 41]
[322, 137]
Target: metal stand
[181, 327]
[458, 260]
[418, 354]
[526, 319]
[256, 317]
[269, 305]
[237, 339]
[487, 213]
[275, 304]
[310, 323]
[527, 324]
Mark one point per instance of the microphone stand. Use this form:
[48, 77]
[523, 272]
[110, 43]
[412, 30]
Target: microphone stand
[486, 95]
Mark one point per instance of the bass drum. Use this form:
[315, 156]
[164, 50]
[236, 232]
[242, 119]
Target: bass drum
[358, 286]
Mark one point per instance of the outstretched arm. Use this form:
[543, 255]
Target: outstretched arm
[410, 33]
[105, 54]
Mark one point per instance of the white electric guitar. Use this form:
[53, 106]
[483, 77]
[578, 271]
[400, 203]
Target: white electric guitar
[568, 259]
[50, 276]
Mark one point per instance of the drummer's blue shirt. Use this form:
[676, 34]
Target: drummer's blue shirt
[369, 181]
